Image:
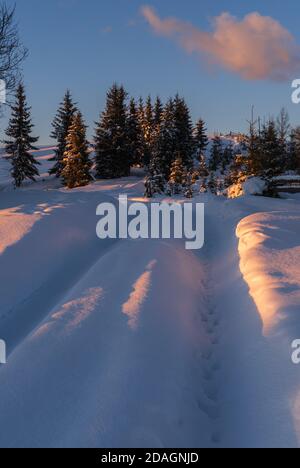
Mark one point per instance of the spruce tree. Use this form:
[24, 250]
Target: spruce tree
[238, 170]
[147, 125]
[134, 135]
[158, 113]
[76, 163]
[184, 141]
[111, 142]
[200, 140]
[203, 170]
[61, 125]
[188, 185]
[141, 112]
[216, 154]
[293, 160]
[164, 140]
[155, 182]
[272, 160]
[20, 141]
[177, 177]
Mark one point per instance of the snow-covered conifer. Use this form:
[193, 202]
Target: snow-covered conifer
[293, 157]
[157, 112]
[188, 185]
[155, 181]
[61, 125]
[216, 154]
[20, 141]
[272, 160]
[147, 125]
[76, 162]
[165, 139]
[176, 179]
[111, 142]
[200, 140]
[183, 137]
[134, 135]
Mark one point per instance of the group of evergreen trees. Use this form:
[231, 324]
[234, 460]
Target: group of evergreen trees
[158, 137]
[270, 149]
[150, 135]
[71, 160]
[273, 148]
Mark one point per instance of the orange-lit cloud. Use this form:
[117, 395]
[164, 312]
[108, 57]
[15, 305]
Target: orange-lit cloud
[256, 47]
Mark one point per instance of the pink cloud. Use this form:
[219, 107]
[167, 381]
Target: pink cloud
[256, 47]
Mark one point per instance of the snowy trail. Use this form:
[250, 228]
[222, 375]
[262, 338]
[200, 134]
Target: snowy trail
[119, 362]
[57, 249]
[133, 343]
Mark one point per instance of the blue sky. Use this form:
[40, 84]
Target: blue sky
[87, 45]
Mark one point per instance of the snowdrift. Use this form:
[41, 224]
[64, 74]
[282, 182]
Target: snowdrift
[270, 257]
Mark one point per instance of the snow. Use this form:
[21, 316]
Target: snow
[287, 177]
[270, 257]
[254, 186]
[246, 186]
[143, 343]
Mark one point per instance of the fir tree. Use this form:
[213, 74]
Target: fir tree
[272, 160]
[188, 185]
[61, 125]
[203, 169]
[20, 140]
[238, 170]
[76, 162]
[141, 112]
[200, 140]
[158, 113]
[165, 139]
[111, 142]
[134, 135]
[183, 142]
[176, 179]
[154, 183]
[147, 125]
[216, 154]
[293, 159]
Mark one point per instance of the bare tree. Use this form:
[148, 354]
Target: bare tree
[12, 52]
